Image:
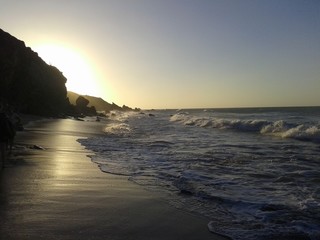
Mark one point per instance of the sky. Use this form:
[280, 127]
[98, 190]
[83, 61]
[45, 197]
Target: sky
[177, 53]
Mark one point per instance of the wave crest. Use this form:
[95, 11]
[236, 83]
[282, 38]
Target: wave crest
[301, 132]
[278, 128]
[117, 129]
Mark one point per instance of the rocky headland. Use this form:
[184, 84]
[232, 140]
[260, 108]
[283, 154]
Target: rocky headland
[29, 85]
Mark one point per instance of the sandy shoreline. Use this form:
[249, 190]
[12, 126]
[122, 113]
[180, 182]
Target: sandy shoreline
[58, 193]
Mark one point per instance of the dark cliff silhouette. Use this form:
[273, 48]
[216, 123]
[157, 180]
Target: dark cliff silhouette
[27, 82]
[30, 85]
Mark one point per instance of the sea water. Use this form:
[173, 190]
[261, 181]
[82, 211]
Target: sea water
[255, 173]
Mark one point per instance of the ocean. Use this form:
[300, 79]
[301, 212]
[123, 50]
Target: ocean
[254, 172]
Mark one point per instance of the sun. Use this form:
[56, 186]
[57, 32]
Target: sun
[80, 76]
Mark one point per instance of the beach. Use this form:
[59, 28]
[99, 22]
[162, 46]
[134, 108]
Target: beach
[51, 189]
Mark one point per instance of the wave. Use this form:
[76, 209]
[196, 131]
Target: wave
[117, 129]
[280, 128]
[242, 218]
[300, 132]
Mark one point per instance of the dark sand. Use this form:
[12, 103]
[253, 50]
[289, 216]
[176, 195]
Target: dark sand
[58, 193]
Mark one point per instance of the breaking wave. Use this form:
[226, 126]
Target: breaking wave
[279, 128]
[117, 129]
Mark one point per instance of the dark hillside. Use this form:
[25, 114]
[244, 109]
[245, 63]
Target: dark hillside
[98, 103]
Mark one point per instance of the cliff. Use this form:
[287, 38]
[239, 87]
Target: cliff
[27, 82]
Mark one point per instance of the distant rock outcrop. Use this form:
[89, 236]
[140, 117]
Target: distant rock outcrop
[98, 103]
[27, 82]
[82, 107]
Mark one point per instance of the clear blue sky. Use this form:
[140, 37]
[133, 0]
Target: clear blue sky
[179, 53]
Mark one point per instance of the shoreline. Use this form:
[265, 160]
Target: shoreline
[59, 193]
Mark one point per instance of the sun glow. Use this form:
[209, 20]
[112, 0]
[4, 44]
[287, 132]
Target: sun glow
[80, 76]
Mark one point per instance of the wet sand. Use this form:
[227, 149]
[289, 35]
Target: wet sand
[58, 193]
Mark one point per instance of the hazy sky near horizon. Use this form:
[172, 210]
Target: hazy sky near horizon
[177, 53]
